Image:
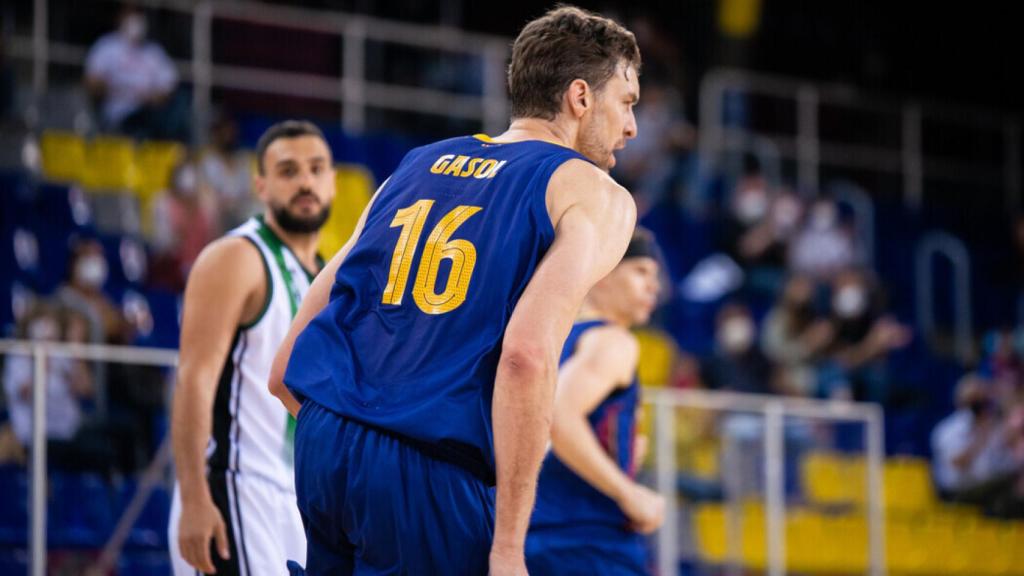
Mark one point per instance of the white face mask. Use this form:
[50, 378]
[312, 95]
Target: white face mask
[91, 271]
[43, 329]
[736, 334]
[134, 28]
[186, 181]
[823, 217]
[751, 206]
[850, 302]
[786, 212]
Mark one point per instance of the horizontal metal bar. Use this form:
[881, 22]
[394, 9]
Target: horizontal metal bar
[301, 85]
[739, 402]
[97, 352]
[333, 21]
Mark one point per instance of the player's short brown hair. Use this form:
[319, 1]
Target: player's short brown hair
[565, 44]
[285, 129]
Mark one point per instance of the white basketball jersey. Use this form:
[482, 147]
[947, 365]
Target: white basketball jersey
[252, 431]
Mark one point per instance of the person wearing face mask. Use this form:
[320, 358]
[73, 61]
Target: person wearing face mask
[82, 291]
[736, 365]
[972, 460]
[758, 230]
[794, 335]
[863, 336]
[134, 81]
[71, 443]
[183, 218]
[823, 246]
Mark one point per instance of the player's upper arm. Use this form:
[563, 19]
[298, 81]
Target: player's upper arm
[605, 359]
[594, 219]
[226, 282]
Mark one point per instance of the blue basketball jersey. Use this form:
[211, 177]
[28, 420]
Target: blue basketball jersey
[565, 499]
[410, 340]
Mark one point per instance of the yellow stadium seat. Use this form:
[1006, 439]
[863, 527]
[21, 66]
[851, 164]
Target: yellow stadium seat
[63, 155]
[155, 161]
[831, 479]
[354, 188]
[908, 485]
[110, 164]
[657, 357]
[709, 522]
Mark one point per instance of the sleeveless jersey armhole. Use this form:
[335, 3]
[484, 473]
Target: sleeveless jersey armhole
[270, 286]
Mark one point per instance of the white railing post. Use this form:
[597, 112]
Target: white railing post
[495, 98]
[775, 487]
[40, 48]
[353, 76]
[875, 433]
[664, 441]
[202, 65]
[37, 535]
[913, 165]
[808, 153]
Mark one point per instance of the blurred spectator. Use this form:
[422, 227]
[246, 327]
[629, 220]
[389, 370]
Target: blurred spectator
[758, 231]
[135, 82]
[655, 161]
[71, 442]
[737, 365]
[82, 292]
[794, 335]
[66, 380]
[184, 222]
[973, 462]
[823, 247]
[227, 170]
[863, 336]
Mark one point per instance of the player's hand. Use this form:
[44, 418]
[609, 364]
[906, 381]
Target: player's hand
[200, 522]
[507, 563]
[644, 507]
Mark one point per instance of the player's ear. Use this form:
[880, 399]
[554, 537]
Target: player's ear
[332, 173]
[580, 96]
[259, 185]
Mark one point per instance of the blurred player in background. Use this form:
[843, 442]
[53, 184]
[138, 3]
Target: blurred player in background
[234, 505]
[424, 358]
[591, 513]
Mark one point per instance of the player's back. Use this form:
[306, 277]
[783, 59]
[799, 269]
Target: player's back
[411, 338]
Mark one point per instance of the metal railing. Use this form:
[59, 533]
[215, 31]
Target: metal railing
[352, 89]
[810, 150]
[774, 410]
[955, 252]
[40, 351]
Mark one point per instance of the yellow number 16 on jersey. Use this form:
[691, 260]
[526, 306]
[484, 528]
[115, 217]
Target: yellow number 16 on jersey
[439, 247]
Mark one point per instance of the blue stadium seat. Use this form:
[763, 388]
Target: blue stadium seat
[134, 563]
[150, 530]
[13, 509]
[14, 561]
[80, 512]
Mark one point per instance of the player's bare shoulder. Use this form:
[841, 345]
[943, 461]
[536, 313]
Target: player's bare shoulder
[231, 266]
[577, 182]
[614, 347]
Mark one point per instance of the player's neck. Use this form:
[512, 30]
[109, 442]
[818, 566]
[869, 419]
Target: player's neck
[551, 131]
[302, 245]
[590, 311]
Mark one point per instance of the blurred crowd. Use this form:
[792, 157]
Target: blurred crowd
[798, 309]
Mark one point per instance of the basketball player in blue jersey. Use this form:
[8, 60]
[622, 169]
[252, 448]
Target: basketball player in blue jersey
[591, 513]
[422, 363]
